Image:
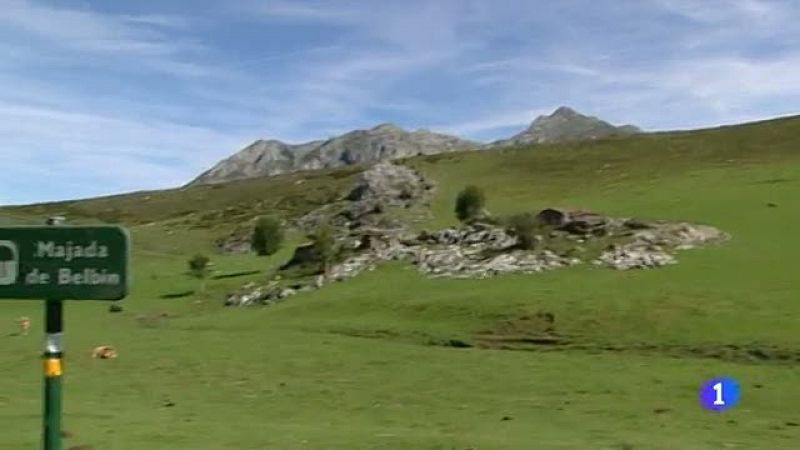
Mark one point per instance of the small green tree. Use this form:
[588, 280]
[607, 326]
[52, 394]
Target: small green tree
[469, 203]
[199, 266]
[325, 246]
[267, 236]
[524, 227]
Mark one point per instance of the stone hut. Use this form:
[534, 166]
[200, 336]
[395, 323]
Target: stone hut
[553, 217]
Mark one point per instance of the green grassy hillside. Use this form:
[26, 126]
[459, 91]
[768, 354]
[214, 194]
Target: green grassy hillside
[370, 363]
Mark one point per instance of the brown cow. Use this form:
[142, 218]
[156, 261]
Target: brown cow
[104, 352]
[24, 325]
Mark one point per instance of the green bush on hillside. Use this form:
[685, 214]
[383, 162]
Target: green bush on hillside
[267, 236]
[199, 267]
[469, 203]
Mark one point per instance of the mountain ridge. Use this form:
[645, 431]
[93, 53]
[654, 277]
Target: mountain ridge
[268, 157]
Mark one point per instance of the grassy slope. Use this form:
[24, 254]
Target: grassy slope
[347, 367]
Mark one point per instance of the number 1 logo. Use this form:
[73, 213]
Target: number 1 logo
[719, 400]
[719, 394]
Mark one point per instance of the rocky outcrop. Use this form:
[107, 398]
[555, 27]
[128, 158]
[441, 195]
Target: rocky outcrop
[482, 251]
[252, 295]
[391, 185]
[384, 185]
[649, 245]
[563, 238]
[486, 250]
[635, 258]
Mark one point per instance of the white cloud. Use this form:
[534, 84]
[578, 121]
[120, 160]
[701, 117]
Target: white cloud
[494, 121]
[159, 21]
[103, 153]
[721, 11]
[303, 11]
[734, 80]
[87, 32]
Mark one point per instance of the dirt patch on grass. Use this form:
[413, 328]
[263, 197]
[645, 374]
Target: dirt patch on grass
[747, 353]
[537, 333]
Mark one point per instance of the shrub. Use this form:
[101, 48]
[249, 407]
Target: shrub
[325, 246]
[524, 227]
[267, 236]
[199, 268]
[469, 203]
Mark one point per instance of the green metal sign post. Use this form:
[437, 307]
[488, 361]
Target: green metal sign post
[60, 263]
[53, 356]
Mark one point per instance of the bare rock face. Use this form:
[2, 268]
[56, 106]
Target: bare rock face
[382, 186]
[381, 143]
[390, 184]
[262, 157]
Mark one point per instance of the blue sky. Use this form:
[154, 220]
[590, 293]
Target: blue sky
[100, 97]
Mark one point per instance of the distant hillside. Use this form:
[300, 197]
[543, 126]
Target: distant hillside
[563, 125]
[387, 141]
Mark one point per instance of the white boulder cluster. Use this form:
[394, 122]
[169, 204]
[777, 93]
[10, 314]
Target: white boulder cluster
[251, 295]
[476, 251]
[648, 247]
[631, 258]
[482, 251]
[454, 263]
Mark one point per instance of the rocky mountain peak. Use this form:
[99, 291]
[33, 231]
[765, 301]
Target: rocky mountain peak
[565, 112]
[388, 141]
[563, 125]
[387, 127]
[381, 143]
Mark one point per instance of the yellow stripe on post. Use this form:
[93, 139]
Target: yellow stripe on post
[52, 367]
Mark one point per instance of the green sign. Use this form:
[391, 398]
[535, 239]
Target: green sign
[64, 262]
